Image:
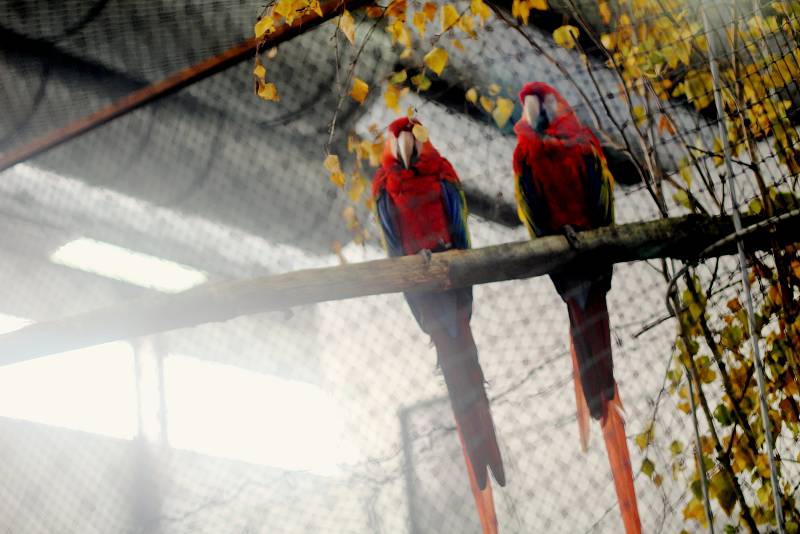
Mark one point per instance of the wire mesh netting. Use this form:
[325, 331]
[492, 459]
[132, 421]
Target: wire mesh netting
[334, 417]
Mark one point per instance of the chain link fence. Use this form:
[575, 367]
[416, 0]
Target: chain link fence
[333, 417]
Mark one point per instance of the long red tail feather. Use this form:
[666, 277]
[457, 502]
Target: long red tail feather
[580, 400]
[596, 394]
[484, 500]
[617, 448]
[458, 359]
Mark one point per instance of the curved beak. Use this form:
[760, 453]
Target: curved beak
[531, 110]
[405, 148]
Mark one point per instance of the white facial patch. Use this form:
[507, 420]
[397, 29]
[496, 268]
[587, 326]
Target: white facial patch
[531, 109]
[405, 147]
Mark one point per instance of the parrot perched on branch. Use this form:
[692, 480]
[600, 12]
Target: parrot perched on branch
[562, 184]
[422, 209]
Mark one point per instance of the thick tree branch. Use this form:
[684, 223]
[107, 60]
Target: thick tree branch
[681, 238]
[175, 83]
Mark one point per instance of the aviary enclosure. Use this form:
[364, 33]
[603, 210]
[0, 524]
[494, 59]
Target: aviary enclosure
[203, 334]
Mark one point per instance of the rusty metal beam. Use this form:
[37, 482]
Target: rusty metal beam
[174, 83]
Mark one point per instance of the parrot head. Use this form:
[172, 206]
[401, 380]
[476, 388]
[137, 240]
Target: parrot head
[401, 145]
[542, 106]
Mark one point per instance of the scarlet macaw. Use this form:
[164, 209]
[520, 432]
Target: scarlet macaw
[421, 208]
[562, 184]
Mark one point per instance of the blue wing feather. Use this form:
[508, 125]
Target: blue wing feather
[598, 192]
[537, 206]
[387, 215]
[456, 208]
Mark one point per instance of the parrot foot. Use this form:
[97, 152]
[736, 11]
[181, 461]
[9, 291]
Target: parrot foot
[426, 255]
[571, 235]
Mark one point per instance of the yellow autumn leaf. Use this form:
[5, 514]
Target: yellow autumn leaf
[644, 439]
[338, 179]
[717, 150]
[331, 163]
[480, 9]
[682, 198]
[566, 35]
[397, 9]
[410, 112]
[695, 510]
[686, 174]
[348, 26]
[520, 10]
[268, 91]
[436, 59]
[399, 33]
[502, 111]
[467, 25]
[263, 26]
[259, 71]
[494, 89]
[392, 97]
[284, 9]
[449, 16]
[430, 9]
[487, 104]
[315, 7]
[418, 20]
[357, 186]
[605, 12]
[422, 82]
[639, 114]
[359, 90]
[458, 44]
[471, 95]
[420, 133]
[541, 5]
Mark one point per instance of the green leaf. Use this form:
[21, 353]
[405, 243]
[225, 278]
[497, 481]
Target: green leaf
[722, 490]
[697, 488]
[399, 77]
[648, 467]
[676, 447]
[643, 439]
[682, 198]
[723, 415]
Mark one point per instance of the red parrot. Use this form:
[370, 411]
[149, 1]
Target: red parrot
[562, 184]
[422, 209]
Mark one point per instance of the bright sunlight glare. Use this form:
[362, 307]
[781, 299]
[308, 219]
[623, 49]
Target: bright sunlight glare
[128, 266]
[230, 412]
[90, 389]
[9, 323]
[213, 409]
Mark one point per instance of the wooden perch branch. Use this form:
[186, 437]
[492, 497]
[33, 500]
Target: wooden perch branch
[681, 238]
[174, 83]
